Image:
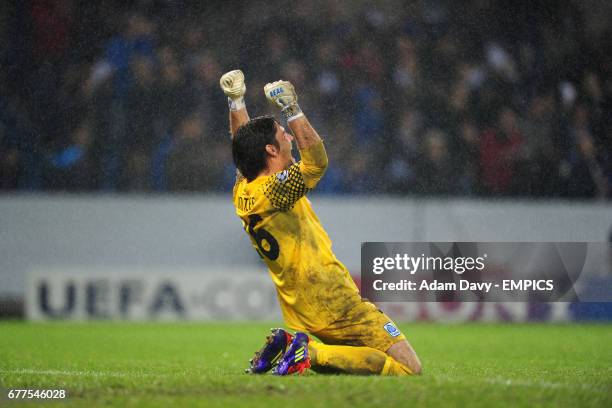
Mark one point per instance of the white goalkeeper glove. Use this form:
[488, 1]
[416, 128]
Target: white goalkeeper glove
[233, 86]
[282, 94]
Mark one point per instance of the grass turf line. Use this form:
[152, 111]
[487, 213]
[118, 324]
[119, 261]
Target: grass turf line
[159, 364]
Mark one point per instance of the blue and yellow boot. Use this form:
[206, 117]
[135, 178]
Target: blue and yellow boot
[296, 358]
[271, 352]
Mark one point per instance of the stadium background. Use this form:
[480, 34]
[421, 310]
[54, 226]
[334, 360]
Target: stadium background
[444, 121]
[479, 99]
[432, 112]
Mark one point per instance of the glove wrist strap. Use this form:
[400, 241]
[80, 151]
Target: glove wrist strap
[292, 112]
[236, 104]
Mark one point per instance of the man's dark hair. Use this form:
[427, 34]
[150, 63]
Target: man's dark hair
[249, 145]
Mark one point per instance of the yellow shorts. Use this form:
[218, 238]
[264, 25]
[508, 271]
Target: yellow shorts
[363, 326]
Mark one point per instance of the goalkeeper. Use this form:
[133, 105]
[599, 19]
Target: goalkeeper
[316, 292]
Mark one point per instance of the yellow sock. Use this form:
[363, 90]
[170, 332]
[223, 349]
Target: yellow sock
[353, 360]
[394, 367]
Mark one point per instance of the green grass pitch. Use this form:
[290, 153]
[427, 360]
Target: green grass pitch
[201, 364]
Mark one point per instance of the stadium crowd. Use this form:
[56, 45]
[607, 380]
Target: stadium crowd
[484, 98]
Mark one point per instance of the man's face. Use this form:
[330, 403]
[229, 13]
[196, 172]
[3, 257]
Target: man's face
[284, 140]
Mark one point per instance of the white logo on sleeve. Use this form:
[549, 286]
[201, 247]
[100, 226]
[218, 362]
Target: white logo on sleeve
[282, 176]
[392, 330]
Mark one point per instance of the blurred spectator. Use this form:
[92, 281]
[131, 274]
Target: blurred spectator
[203, 91]
[142, 107]
[186, 161]
[359, 175]
[9, 154]
[336, 180]
[539, 154]
[369, 117]
[419, 87]
[465, 145]
[406, 72]
[499, 152]
[401, 172]
[125, 51]
[51, 26]
[581, 171]
[135, 39]
[171, 89]
[69, 168]
[328, 79]
[434, 167]
[20, 160]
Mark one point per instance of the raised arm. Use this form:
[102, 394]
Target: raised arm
[312, 152]
[283, 95]
[233, 85]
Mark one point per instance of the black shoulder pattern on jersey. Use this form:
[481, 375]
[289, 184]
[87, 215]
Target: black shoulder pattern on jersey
[285, 188]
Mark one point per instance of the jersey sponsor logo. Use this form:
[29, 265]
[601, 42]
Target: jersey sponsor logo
[391, 329]
[282, 176]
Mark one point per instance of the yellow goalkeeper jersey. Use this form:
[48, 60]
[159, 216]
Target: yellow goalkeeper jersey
[314, 288]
